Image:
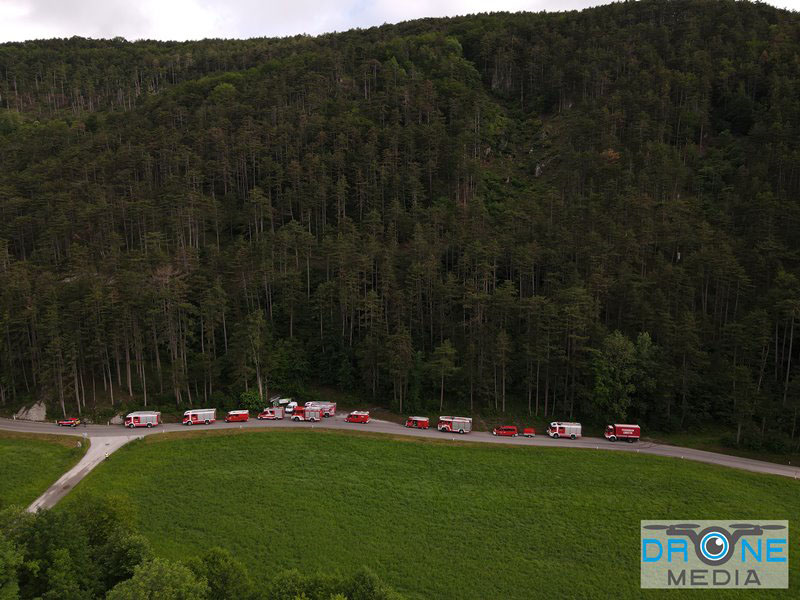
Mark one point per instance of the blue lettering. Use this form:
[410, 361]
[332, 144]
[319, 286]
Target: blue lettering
[756, 554]
[677, 546]
[651, 542]
[771, 548]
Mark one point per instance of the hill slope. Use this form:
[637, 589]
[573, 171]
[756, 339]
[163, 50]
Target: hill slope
[585, 215]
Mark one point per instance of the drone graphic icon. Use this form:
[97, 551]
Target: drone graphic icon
[714, 545]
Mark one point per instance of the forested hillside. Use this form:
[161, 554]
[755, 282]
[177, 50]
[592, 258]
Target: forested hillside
[587, 215]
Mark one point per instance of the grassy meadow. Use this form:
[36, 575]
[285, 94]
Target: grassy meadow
[434, 519]
[31, 463]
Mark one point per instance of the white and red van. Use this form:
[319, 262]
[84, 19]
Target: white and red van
[418, 422]
[630, 433]
[559, 429]
[142, 419]
[276, 412]
[237, 415]
[200, 415]
[307, 413]
[455, 424]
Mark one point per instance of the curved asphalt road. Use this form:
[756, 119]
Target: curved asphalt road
[105, 439]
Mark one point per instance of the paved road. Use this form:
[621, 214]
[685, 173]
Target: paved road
[108, 438]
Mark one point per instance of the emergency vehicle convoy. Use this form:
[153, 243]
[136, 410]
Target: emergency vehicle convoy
[316, 411]
[629, 433]
[142, 419]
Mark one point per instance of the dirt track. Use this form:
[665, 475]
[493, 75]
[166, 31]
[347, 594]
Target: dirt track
[108, 438]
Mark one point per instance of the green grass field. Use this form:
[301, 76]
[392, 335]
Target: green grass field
[30, 463]
[433, 519]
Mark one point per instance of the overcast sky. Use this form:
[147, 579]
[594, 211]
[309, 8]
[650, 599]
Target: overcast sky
[196, 19]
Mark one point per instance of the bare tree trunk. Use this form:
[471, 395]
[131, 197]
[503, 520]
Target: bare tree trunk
[788, 363]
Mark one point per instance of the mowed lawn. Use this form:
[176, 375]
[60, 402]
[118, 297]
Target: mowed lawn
[31, 463]
[433, 519]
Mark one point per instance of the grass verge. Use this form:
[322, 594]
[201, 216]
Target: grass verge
[434, 519]
[30, 463]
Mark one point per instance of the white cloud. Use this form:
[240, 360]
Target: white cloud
[196, 19]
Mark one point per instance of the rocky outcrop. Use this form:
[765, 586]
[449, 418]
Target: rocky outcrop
[116, 420]
[37, 412]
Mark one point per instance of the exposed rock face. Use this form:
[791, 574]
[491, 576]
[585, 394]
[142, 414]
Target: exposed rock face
[116, 420]
[37, 412]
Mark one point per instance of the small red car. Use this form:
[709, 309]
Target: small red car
[529, 432]
[505, 430]
[70, 422]
[357, 416]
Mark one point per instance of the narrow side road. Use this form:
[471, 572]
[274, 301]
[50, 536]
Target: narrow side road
[99, 448]
[108, 438]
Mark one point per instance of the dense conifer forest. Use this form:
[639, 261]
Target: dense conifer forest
[585, 215]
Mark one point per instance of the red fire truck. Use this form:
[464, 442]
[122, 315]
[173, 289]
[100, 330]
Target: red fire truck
[307, 413]
[630, 433]
[357, 416]
[276, 412]
[455, 424]
[202, 415]
[558, 429]
[237, 415]
[418, 422]
[328, 408]
[142, 419]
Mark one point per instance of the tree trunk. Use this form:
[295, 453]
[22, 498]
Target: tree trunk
[788, 363]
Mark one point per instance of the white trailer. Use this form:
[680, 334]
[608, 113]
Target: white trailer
[455, 424]
[201, 415]
[559, 429]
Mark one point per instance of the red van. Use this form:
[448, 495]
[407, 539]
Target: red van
[357, 416]
[69, 422]
[418, 422]
[505, 430]
[237, 415]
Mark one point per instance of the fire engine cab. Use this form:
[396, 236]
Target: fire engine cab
[559, 429]
[630, 433]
